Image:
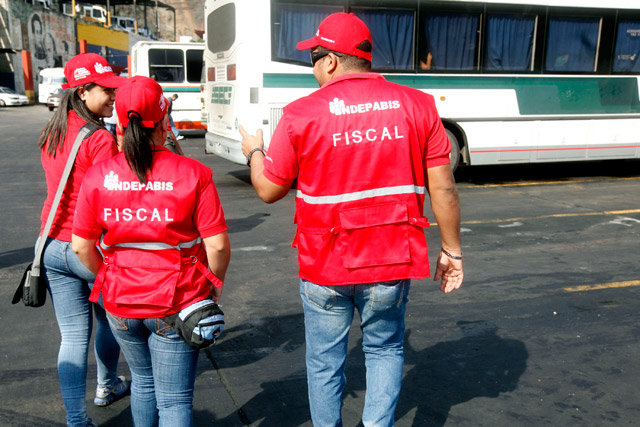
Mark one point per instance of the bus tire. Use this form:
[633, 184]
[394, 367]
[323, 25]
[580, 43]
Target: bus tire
[454, 156]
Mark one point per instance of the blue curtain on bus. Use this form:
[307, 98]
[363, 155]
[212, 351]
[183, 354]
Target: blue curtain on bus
[627, 47]
[509, 42]
[392, 37]
[451, 41]
[299, 23]
[571, 44]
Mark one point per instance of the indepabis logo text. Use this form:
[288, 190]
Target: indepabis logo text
[339, 108]
[111, 182]
[81, 73]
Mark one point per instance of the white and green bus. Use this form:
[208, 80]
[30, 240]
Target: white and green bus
[177, 67]
[514, 81]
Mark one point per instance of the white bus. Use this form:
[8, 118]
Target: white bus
[177, 68]
[49, 79]
[514, 81]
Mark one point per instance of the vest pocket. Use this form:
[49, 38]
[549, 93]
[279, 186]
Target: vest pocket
[374, 235]
[147, 278]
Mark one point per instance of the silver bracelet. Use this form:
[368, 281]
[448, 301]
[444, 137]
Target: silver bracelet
[452, 256]
[251, 154]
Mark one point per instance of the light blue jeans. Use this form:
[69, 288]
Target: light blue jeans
[174, 129]
[328, 314]
[163, 371]
[69, 284]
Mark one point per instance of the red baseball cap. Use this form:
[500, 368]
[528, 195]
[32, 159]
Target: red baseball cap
[340, 32]
[142, 96]
[90, 68]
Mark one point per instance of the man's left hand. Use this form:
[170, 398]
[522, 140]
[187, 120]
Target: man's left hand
[449, 272]
[249, 142]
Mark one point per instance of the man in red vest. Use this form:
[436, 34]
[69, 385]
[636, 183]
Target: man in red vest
[364, 152]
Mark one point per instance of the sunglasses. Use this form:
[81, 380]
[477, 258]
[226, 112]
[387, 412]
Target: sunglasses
[316, 56]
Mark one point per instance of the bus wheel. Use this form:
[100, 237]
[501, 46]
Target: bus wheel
[454, 156]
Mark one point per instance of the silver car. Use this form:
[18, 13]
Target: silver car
[11, 97]
[53, 100]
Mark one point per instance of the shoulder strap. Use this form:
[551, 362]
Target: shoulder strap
[85, 132]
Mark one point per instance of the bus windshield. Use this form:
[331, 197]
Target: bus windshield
[177, 67]
[168, 65]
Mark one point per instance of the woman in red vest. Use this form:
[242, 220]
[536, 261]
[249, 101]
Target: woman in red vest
[91, 91]
[157, 218]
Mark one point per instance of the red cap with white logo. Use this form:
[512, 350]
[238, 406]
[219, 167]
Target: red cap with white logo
[90, 68]
[143, 97]
[340, 32]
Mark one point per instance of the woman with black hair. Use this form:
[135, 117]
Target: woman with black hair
[157, 218]
[92, 86]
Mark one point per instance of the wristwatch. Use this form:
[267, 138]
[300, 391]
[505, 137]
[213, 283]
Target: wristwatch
[251, 154]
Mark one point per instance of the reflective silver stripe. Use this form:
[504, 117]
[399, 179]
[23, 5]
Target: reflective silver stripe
[359, 195]
[152, 246]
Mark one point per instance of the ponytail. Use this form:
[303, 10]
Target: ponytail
[54, 133]
[137, 147]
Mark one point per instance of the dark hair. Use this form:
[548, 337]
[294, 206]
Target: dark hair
[54, 133]
[136, 146]
[364, 46]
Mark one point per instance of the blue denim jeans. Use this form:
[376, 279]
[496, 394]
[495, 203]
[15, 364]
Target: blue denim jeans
[69, 283]
[328, 314]
[163, 371]
[174, 129]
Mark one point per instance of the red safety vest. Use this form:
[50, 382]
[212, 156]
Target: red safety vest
[143, 278]
[98, 147]
[154, 261]
[359, 148]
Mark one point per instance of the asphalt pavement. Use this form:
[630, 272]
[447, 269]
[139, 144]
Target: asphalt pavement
[544, 331]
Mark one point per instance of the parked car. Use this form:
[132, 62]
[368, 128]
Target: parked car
[53, 100]
[11, 97]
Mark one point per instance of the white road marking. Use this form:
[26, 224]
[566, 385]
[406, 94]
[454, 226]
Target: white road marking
[513, 224]
[623, 221]
[254, 248]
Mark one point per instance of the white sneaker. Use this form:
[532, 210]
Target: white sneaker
[107, 395]
[179, 137]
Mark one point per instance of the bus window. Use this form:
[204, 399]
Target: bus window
[572, 44]
[51, 80]
[510, 40]
[392, 36]
[452, 40]
[295, 23]
[167, 65]
[222, 24]
[627, 47]
[194, 65]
